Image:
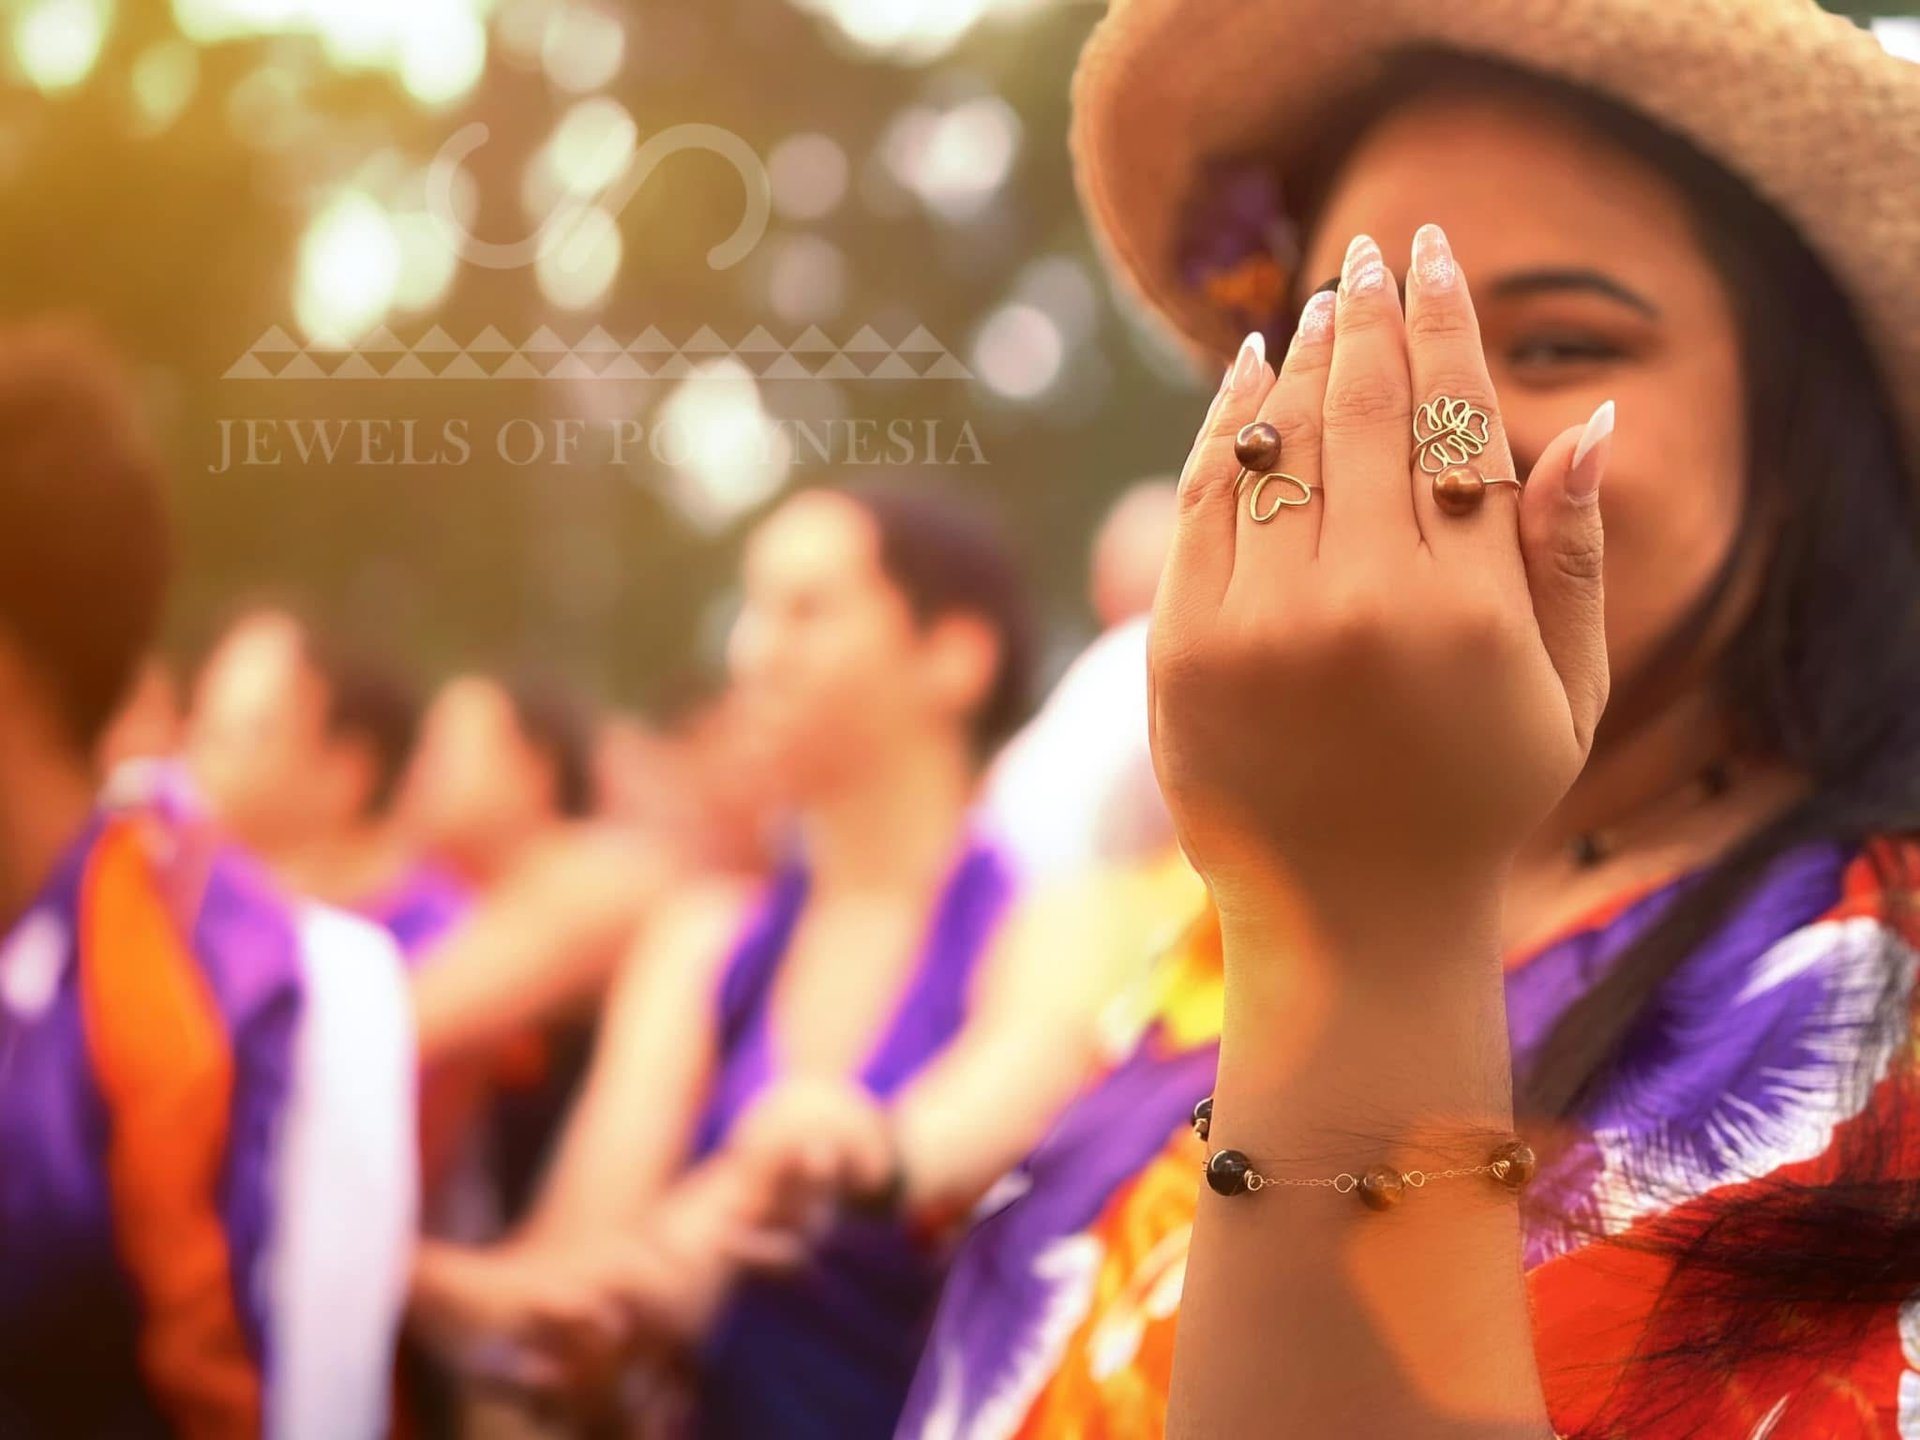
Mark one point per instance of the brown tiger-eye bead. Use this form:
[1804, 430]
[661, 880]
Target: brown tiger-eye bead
[1227, 1172]
[1514, 1164]
[1381, 1187]
[1257, 447]
[1459, 489]
[1203, 1117]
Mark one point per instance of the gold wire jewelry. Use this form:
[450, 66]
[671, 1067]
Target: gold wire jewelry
[1449, 432]
[1257, 448]
[1280, 502]
[1381, 1187]
[1229, 1172]
[1459, 489]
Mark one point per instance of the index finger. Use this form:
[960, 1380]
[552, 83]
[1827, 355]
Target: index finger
[1200, 560]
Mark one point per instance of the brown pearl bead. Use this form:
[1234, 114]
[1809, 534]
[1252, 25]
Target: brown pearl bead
[1458, 490]
[1227, 1172]
[1203, 1118]
[1381, 1187]
[1257, 447]
[1514, 1164]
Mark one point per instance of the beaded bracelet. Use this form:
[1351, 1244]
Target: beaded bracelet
[1229, 1172]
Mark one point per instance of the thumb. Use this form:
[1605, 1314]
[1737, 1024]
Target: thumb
[1561, 538]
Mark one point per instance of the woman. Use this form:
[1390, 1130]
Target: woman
[1378, 723]
[880, 653]
[299, 739]
[504, 766]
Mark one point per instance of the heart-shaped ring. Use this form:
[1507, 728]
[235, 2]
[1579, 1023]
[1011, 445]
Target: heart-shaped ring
[1280, 501]
[1257, 448]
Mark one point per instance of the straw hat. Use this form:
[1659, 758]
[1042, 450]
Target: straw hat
[1805, 106]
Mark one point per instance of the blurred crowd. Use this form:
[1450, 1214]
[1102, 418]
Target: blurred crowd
[572, 1070]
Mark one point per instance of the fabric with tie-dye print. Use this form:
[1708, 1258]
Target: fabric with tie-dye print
[1746, 1071]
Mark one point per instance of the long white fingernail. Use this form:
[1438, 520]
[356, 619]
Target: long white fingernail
[1365, 269]
[1583, 479]
[1598, 428]
[1316, 320]
[1433, 261]
[1253, 359]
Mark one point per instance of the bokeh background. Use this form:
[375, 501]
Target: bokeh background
[237, 192]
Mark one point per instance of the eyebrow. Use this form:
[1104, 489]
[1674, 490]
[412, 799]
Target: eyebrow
[1522, 283]
[1592, 282]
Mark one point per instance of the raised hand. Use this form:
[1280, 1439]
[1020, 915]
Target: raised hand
[1372, 695]
[810, 1144]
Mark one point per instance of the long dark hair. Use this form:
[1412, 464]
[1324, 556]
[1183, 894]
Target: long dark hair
[1823, 673]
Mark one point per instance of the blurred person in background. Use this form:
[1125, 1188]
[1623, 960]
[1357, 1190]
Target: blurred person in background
[141, 752]
[151, 724]
[206, 1178]
[503, 790]
[299, 741]
[1674, 943]
[1130, 551]
[872, 995]
[692, 782]
[1075, 790]
[501, 793]
[505, 765]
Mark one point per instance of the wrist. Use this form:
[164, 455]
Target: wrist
[1384, 1028]
[1371, 916]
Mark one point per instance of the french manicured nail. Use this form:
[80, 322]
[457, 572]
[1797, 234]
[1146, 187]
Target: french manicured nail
[1365, 270]
[1433, 262]
[1252, 360]
[1590, 455]
[1316, 320]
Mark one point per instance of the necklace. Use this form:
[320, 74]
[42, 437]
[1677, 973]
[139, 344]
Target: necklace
[1591, 848]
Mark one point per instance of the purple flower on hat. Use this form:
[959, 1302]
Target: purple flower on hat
[1238, 246]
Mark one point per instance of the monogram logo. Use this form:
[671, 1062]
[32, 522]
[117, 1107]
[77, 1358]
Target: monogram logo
[561, 228]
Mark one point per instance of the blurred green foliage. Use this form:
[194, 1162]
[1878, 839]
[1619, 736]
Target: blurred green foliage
[183, 248]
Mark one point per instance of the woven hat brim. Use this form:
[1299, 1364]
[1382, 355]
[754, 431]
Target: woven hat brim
[1808, 108]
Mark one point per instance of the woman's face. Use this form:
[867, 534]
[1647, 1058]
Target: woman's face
[1590, 286]
[257, 739]
[826, 656]
[475, 783]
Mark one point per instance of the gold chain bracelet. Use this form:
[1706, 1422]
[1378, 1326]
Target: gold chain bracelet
[1229, 1172]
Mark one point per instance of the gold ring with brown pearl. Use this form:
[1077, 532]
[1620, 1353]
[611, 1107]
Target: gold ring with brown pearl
[1460, 489]
[1257, 448]
[1447, 433]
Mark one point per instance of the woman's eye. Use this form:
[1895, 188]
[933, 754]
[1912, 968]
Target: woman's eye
[1547, 352]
